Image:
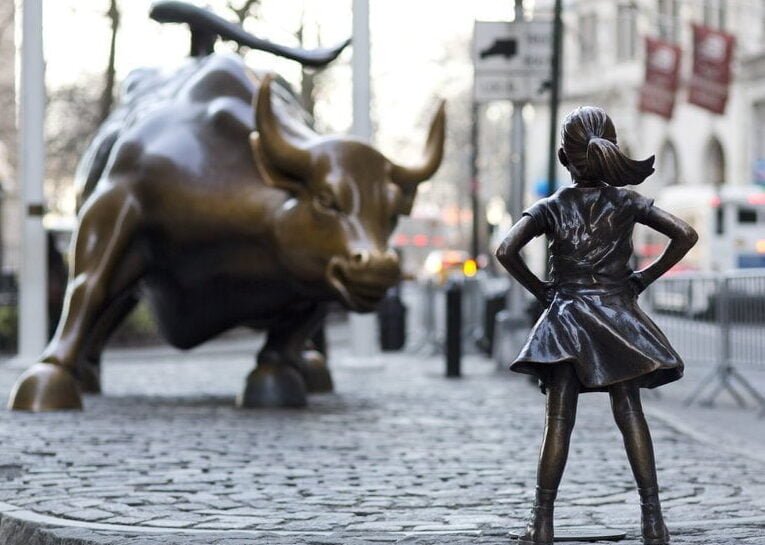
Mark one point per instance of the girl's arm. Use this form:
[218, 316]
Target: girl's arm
[682, 238]
[509, 256]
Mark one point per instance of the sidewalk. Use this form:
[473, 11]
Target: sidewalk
[398, 454]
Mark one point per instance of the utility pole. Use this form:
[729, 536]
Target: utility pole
[554, 103]
[517, 193]
[555, 95]
[360, 62]
[475, 205]
[33, 273]
[363, 326]
[515, 318]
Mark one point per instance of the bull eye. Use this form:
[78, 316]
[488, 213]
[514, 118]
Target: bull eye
[326, 201]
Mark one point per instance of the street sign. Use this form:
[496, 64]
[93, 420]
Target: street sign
[511, 60]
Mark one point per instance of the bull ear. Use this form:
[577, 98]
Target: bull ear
[271, 175]
[280, 161]
[408, 177]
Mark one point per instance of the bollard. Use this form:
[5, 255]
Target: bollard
[453, 328]
[391, 319]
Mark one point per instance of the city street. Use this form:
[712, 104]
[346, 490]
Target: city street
[398, 454]
[249, 177]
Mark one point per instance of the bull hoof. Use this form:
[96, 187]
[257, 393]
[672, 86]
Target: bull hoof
[273, 385]
[315, 372]
[45, 387]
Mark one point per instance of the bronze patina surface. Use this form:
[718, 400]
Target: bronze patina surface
[592, 335]
[208, 193]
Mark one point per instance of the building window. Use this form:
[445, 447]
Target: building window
[669, 170]
[669, 20]
[626, 29]
[715, 163]
[715, 13]
[588, 37]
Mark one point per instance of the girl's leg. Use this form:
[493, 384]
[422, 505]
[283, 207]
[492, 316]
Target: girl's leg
[562, 396]
[628, 413]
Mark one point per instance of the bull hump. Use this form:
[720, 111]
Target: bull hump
[214, 93]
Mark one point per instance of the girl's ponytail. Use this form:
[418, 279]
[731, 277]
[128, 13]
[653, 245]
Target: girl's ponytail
[606, 162]
[590, 151]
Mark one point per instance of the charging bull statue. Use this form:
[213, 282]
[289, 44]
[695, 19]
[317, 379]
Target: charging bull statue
[208, 193]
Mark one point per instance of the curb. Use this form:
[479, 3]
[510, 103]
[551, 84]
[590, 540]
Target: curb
[699, 436]
[20, 526]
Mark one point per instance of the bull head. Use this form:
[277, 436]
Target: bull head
[345, 201]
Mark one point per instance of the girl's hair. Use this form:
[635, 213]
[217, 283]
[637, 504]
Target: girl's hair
[588, 140]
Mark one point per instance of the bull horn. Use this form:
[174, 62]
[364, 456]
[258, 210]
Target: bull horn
[285, 156]
[434, 152]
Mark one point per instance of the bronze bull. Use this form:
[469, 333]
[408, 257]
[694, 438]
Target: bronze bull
[223, 212]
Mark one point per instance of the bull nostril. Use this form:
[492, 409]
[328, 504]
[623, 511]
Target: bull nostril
[360, 258]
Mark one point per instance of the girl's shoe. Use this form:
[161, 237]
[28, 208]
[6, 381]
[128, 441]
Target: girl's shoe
[654, 530]
[539, 530]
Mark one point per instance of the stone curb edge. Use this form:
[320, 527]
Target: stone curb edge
[20, 526]
[699, 436]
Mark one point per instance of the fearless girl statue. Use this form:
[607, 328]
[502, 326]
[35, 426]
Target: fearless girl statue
[592, 335]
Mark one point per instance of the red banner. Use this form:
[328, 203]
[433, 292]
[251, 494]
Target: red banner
[662, 76]
[712, 56]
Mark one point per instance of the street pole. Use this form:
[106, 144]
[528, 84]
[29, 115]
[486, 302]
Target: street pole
[475, 205]
[555, 96]
[33, 273]
[363, 326]
[515, 318]
[517, 193]
[554, 103]
[360, 62]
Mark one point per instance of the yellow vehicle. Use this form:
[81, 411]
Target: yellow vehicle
[440, 265]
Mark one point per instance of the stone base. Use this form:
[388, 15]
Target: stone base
[582, 534]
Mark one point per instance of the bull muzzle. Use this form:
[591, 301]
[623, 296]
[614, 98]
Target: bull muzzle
[362, 278]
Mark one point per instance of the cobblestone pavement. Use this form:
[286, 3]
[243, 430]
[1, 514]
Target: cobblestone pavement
[398, 455]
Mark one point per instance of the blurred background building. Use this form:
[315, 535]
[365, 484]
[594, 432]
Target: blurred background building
[421, 51]
[698, 152]
[604, 64]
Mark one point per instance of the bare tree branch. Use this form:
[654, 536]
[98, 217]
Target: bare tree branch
[107, 96]
[242, 11]
[247, 8]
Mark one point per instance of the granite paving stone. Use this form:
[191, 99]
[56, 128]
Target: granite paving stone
[398, 454]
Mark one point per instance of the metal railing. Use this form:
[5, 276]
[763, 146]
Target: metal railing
[427, 300]
[717, 319]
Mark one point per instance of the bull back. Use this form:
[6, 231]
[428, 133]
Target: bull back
[219, 88]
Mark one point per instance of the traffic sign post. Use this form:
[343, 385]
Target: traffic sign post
[512, 62]
[511, 59]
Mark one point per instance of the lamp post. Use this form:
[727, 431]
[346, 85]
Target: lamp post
[555, 95]
[517, 193]
[33, 273]
[363, 326]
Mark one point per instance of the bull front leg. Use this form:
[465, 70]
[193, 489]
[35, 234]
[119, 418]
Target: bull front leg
[104, 268]
[89, 365]
[288, 366]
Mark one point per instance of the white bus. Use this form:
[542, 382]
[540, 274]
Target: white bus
[730, 221]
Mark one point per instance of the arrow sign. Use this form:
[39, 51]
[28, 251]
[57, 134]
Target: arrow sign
[511, 60]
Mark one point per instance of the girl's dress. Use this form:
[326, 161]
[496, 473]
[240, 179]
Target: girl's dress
[594, 321]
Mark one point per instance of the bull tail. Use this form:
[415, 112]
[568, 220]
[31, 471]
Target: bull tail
[206, 27]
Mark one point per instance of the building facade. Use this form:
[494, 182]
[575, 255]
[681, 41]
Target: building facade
[604, 65]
